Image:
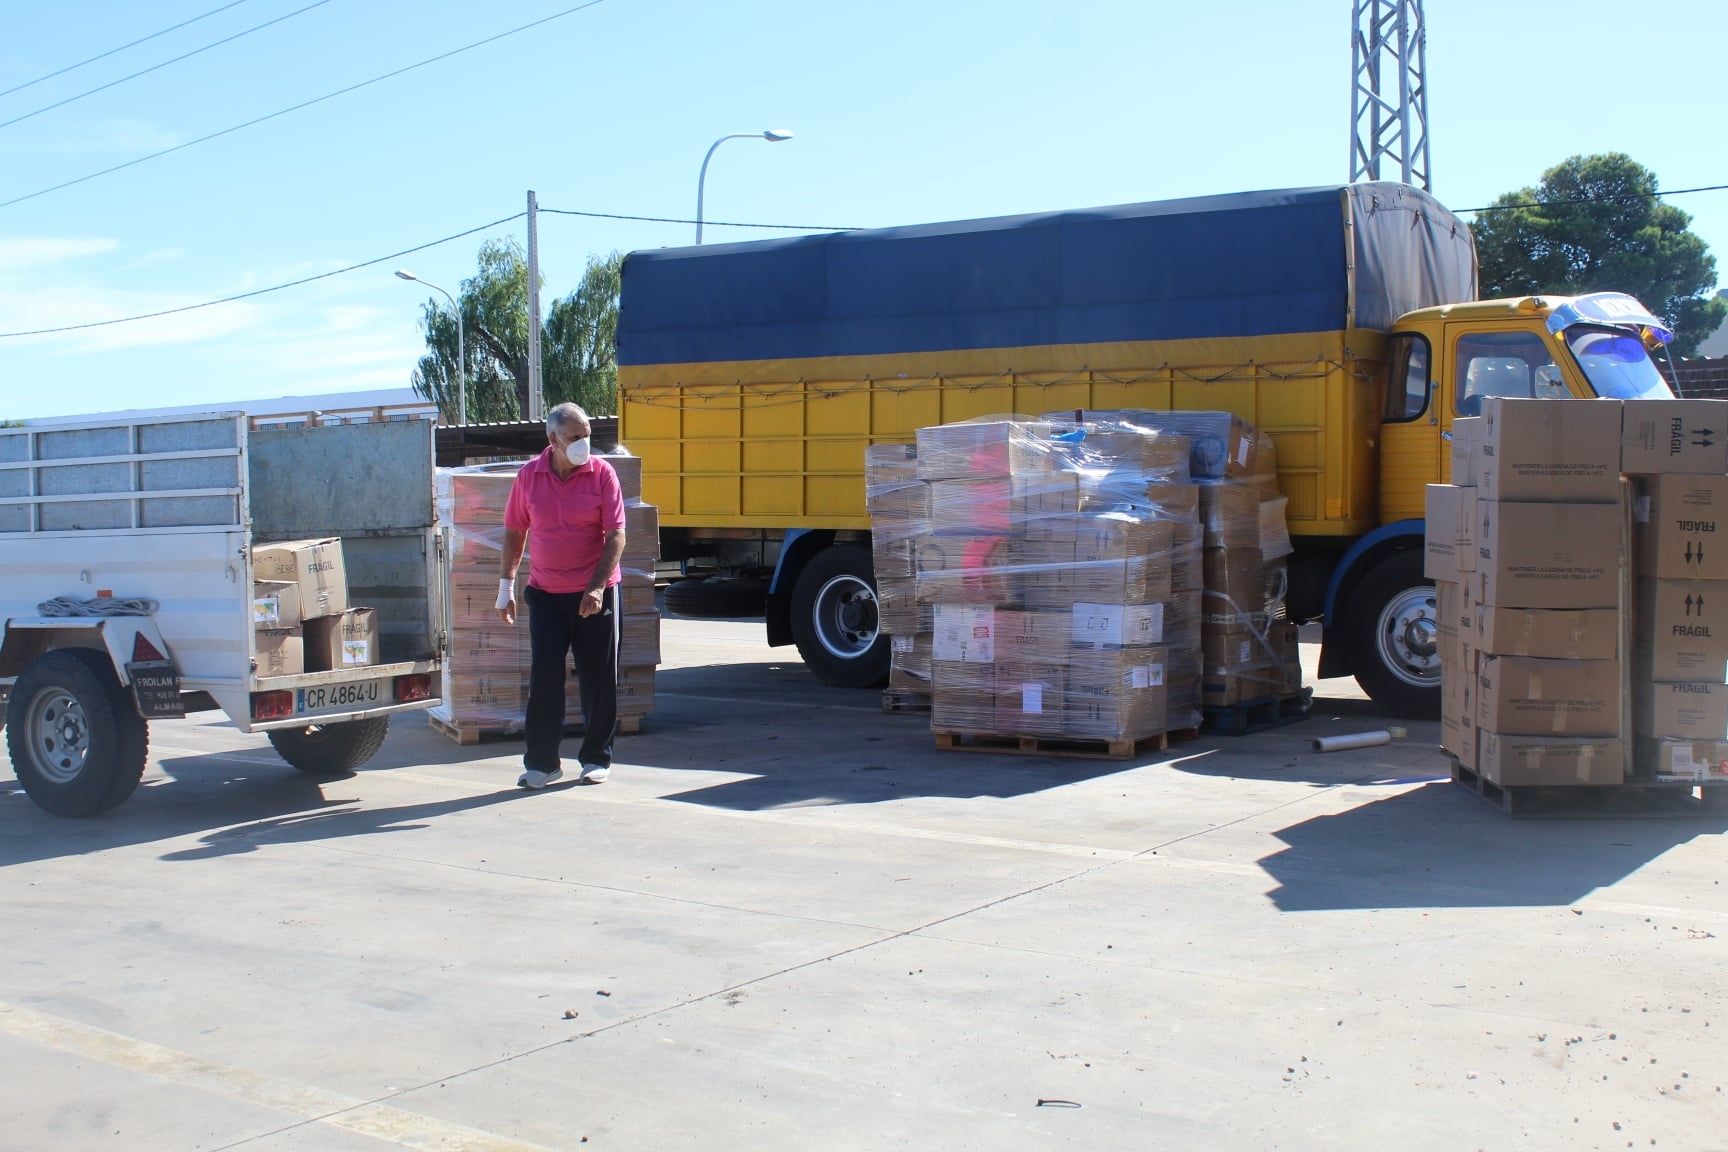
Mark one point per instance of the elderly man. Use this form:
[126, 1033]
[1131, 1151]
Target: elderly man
[567, 507]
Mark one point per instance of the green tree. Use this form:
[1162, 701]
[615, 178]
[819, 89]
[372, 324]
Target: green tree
[1596, 224]
[577, 340]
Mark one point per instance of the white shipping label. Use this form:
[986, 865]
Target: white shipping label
[1245, 654]
[1031, 698]
[267, 610]
[904, 643]
[1146, 676]
[965, 633]
[1242, 452]
[1684, 760]
[1117, 625]
[356, 652]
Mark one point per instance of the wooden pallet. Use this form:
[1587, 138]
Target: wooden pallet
[905, 700]
[468, 735]
[1257, 715]
[1055, 745]
[1647, 799]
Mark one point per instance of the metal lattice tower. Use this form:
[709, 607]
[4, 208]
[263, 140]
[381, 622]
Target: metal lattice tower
[1389, 92]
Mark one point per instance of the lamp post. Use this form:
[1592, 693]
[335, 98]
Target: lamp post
[772, 135]
[461, 345]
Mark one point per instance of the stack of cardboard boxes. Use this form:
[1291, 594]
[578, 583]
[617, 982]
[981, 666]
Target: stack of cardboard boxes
[486, 671]
[1677, 455]
[301, 617]
[1030, 575]
[1249, 649]
[1534, 612]
[899, 506]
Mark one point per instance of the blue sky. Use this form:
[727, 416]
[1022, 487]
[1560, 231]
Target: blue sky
[905, 111]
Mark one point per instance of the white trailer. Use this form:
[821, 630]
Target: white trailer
[145, 527]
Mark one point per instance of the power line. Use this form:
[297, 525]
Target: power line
[164, 64]
[298, 107]
[122, 48]
[1597, 199]
[262, 291]
[705, 223]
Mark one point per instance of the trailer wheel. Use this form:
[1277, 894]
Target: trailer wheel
[835, 622]
[331, 749]
[76, 742]
[1393, 626]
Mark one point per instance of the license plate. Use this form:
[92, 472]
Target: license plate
[322, 697]
[156, 689]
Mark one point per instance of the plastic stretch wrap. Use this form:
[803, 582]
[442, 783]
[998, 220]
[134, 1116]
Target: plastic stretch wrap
[1055, 589]
[487, 666]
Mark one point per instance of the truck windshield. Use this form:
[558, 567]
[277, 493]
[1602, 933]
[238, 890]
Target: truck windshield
[1617, 364]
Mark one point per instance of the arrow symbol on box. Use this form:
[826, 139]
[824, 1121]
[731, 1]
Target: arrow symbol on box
[1701, 438]
[1688, 551]
[1688, 603]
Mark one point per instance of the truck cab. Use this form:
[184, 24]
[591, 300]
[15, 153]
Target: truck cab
[1440, 364]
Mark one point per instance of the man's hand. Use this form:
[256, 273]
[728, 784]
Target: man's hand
[592, 603]
[507, 600]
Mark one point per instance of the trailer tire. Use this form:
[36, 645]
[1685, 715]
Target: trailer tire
[331, 749]
[76, 741]
[835, 620]
[1392, 626]
[716, 598]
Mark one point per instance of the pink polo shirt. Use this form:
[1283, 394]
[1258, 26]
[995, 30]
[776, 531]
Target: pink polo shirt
[566, 519]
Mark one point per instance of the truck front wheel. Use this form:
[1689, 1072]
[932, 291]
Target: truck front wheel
[1393, 628]
[77, 743]
[835, 622]
[331, 749]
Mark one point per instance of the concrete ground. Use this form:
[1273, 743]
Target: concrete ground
[790, 922]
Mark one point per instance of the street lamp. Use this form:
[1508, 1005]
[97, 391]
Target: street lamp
[772, 135]
[461, 345]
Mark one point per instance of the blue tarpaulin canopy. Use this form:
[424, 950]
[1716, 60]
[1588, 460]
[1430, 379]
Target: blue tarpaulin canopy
[1247, 264]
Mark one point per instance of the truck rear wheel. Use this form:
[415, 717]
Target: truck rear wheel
[331, 749]
[76, 742]
[835, 622]
[1393, 629]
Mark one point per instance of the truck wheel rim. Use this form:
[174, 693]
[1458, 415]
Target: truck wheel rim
[59, 735]
[845, 617]
[1409, 637]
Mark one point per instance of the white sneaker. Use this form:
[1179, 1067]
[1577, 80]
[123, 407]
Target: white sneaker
[536, 779]
[595, 774]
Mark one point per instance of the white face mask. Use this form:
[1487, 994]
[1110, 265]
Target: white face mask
[577, 452]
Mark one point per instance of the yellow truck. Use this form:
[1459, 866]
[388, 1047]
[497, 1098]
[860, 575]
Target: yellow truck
[1342, 320]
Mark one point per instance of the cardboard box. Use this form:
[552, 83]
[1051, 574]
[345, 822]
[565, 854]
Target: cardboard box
[1547, 555]
[1029, 698]
[350, 640]
[892, 554]
[964, 634]
[629, 471]
[639, 640]
[965, 569]
[1141, 581]
[1674, 437]
[1450, 531]
[1550, 451]
[276, 604]
[1682, 629]
[1458, 707]
[1683, 711]
[1223, 654]
[979, 449]
[968, 707]
[1524, 696]
[1221, 444]
[1512, 761]
[1230, 513]
[1032, 637]
[1682, 527]
[642, 531]
[1556, 634]
[1116, 625]
[1117, 695]
[910, 662]
[315, 565]
[1466, 433]
[1121, 536]
[1452, 610]
[1001, 505]
[897, 609]
[1702, 761]
[279, 651]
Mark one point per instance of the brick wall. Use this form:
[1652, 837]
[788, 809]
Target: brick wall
[1702, 378]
